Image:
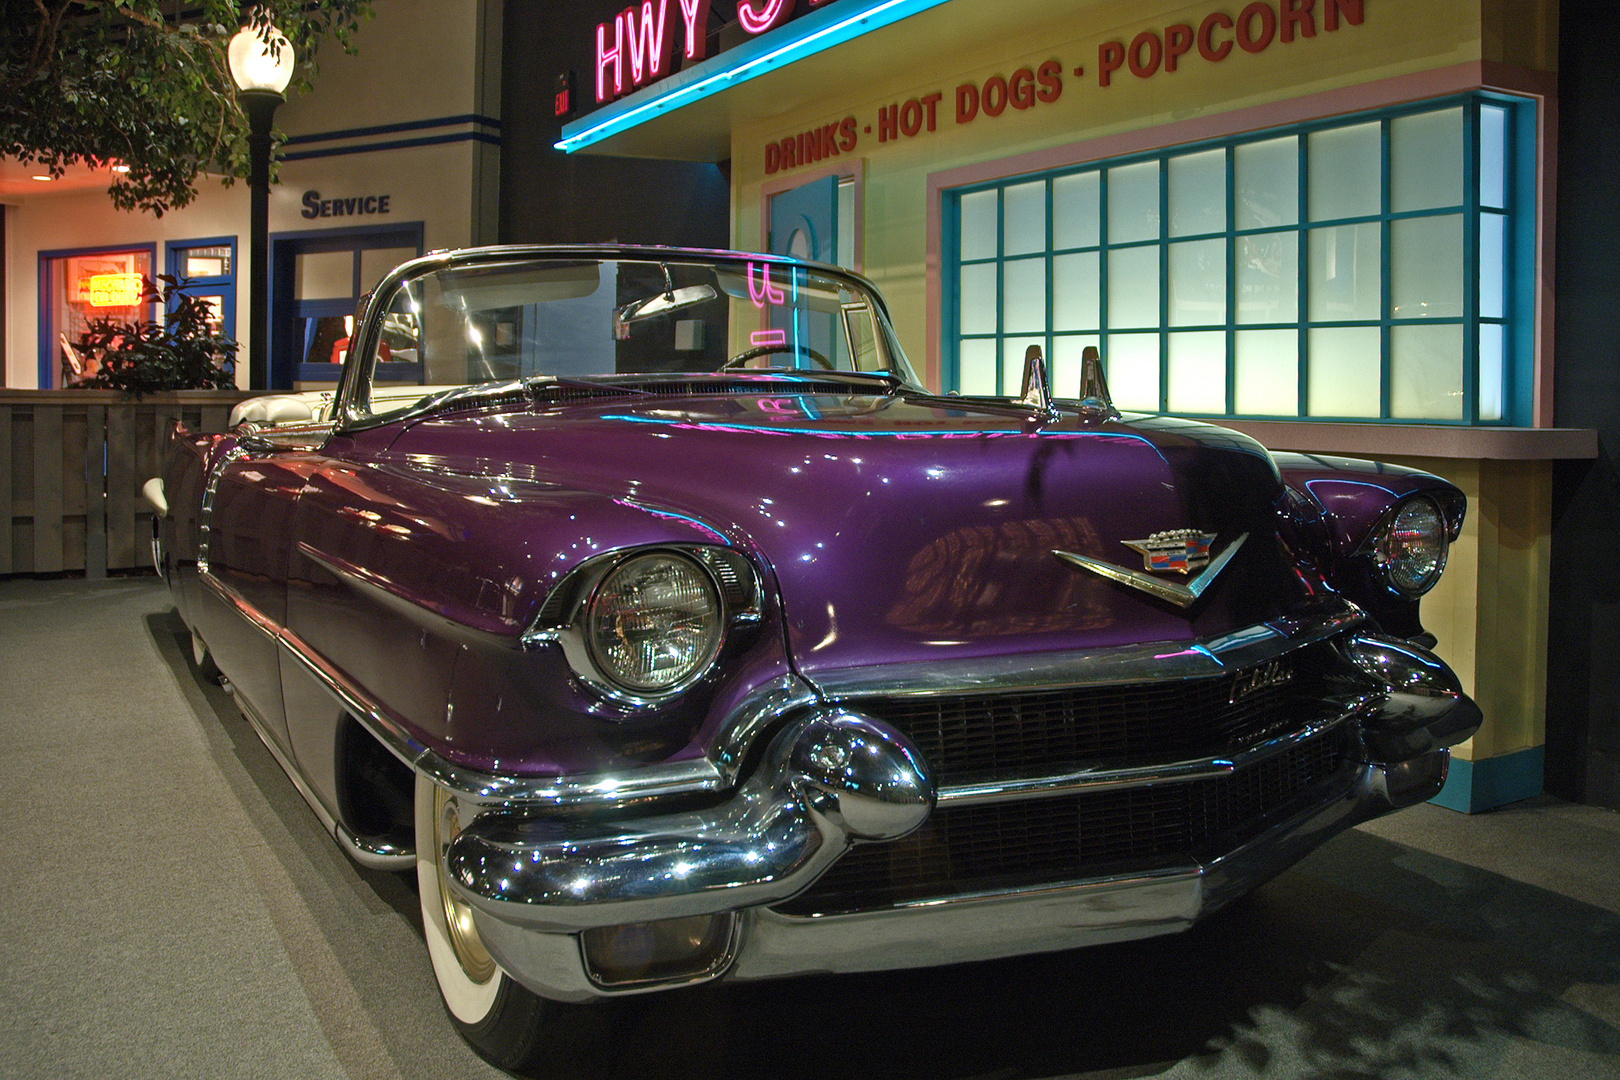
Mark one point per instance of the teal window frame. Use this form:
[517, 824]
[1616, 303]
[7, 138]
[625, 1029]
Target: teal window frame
[1518, 289]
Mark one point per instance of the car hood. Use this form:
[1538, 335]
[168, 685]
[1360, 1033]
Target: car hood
[917, 529]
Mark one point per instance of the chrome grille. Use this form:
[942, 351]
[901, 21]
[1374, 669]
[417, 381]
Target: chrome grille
[1029, 843]
[972, 737]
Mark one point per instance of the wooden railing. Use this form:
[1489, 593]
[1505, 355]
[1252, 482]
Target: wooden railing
[72, 463]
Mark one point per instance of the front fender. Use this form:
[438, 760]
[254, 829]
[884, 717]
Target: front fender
[1334, 507]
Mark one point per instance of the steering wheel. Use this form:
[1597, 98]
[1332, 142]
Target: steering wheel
[742, 358]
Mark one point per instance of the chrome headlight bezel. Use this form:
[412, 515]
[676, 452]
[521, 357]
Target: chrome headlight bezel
[566, 618]
[654, 623]
[1409, 546]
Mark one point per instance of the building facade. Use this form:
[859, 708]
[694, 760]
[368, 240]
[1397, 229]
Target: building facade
[396, 153]
[1329, 223]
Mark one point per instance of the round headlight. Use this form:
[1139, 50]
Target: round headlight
[654, 622]
[1412, 548]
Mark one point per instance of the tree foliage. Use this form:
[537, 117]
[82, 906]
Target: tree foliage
[144, 83]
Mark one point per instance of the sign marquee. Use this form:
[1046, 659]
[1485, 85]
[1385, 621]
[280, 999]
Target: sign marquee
[638, 46]
[1257, 27]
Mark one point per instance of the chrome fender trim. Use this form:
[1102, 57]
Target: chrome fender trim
[829, 780]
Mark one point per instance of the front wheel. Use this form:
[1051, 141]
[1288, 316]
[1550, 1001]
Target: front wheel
[499, 1017]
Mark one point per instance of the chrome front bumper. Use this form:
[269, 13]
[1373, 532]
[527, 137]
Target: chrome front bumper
[540, 885]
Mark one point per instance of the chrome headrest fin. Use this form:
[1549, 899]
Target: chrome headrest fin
[1037, 390]
[1093, 386]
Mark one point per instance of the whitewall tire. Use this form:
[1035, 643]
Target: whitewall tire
[499, 1017]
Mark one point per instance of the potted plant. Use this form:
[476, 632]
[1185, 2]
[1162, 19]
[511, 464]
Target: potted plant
[141, 356]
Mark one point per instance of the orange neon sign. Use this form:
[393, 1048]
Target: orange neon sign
[115, 290]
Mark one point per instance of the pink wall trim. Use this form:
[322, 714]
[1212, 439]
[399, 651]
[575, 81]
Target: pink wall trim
[1381, 93]
[854, 169]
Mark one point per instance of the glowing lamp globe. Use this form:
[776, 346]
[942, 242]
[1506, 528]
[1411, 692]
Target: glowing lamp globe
[259, 65]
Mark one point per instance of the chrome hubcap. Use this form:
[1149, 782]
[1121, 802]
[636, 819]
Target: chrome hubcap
[474, 959]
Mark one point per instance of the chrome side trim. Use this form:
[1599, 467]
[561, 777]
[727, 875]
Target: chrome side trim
[243, 607]
[612, 790]
[376, 856]
[607, 790]
[205, 516]
[1149, 662]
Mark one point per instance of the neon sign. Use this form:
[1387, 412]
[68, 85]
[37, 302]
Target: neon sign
[643, 47]
[643, 38]
[762, 15]
[814, 26]
[115, 290]
[762, 292]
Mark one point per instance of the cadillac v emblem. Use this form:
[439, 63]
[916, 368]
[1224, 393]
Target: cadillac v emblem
[1179, 551]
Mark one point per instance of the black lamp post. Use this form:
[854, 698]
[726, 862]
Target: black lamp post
[261, 63]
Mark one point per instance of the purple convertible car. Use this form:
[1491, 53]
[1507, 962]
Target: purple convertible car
[644, 603]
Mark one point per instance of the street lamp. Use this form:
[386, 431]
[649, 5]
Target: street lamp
[261, 61]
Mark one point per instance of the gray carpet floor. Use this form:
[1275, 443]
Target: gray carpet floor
[171, 908]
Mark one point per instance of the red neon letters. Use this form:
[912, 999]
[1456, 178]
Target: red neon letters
[643, 45]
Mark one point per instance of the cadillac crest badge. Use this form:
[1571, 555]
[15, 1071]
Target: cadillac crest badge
[1177, 551]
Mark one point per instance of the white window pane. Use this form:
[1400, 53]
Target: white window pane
[1133, 202]
[1426, 160]
[978, 213]
[1425, 372]
[978, 366]
[1198, 193]
[1426, 267]
[1012, 362]
[1491, 374]
[1133, 287]
[323, 275]
[1492, 265]
[1075, 211]
[978, 299]
[1345, 271]
[1198, 372]
[1345, 168]
[1344, 371]
[1131, 365]
[1268, 277]
[1198, 283]
[1024, 218]
[1074, 291]
[1068, 364]
[1023, 307]
[1492, 157]
[1266, 372]
[1267, 179]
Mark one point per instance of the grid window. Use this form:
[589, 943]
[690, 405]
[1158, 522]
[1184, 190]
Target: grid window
[1374, 267]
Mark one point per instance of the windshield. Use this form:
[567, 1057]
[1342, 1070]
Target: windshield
[477, 322]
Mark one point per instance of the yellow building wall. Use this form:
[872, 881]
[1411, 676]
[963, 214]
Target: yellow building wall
[1393, 39]
[1490, 610]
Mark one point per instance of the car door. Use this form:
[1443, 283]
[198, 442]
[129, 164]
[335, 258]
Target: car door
[245, 546]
